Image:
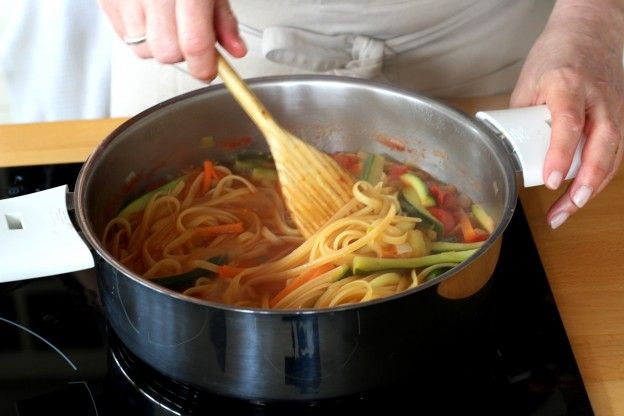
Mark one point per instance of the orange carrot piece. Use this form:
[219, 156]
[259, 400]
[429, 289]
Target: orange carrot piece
[299, 281]
[466, 227]
[470, 233]
[209, 174]
[233, 228]
[228, 272]
[388, 250]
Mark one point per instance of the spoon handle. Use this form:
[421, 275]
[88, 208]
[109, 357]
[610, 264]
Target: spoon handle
[245, 97]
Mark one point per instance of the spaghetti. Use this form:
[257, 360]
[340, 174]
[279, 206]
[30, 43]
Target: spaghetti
[226, 237]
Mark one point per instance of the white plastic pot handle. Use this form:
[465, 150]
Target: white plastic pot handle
[528, 131]
[37, 237]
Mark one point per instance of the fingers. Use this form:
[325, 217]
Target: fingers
[601, 157]
[178, 30]
[110, 7]
[567, 109]
[561, 211]
[161, 31]
[197, 37]
[133, 18]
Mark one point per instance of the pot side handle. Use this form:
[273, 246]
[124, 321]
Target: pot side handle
[527, 130]
[37, 237]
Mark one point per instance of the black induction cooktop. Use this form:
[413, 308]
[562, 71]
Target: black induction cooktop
[58, 356]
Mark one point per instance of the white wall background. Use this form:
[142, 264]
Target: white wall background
[57, 60]
[5, 116]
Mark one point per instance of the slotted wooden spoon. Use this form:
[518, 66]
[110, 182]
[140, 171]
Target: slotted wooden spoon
[313, 184]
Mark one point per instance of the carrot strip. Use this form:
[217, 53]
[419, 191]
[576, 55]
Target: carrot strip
[233, 228]
[466, 227]
[299, 281]
[209, 174]
[470, 233]
[228, 272]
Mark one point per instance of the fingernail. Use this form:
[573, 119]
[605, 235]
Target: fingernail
[554, 179]
[558, 219]
[581, 196]
[240, 43]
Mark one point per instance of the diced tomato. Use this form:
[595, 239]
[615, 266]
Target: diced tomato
[451, 202]
[480, 235]
[444, 198]
[438, 194]
[445, 217]
[395, 171]
[350, 162]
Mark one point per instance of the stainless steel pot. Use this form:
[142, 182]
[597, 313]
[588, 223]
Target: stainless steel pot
[298, 354]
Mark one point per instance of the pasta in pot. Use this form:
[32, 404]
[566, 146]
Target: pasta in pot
[223, 234]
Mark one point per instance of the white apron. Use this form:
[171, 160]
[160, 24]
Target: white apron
[440, 48]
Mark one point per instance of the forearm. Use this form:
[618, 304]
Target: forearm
[596, 18]
[590, 8]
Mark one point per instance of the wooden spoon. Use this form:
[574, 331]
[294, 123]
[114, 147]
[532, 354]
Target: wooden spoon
[313, 184]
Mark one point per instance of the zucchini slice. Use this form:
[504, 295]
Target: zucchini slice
[141, 202]
[410, 203]
[365, 264]
[373, 168]
[483, 218]
[413, 181]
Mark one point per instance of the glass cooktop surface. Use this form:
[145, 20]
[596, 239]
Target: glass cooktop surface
[58, 356]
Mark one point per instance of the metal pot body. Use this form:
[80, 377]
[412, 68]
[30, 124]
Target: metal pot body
[294, 355]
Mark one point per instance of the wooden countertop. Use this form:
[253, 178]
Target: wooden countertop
[583, 259]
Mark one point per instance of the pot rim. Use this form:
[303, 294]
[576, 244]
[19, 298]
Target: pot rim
[283, 80]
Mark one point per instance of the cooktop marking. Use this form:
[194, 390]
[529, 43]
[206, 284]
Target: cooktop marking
[42, 339]
[88, 391]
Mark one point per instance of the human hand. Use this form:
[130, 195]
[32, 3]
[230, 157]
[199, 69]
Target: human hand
[575, 68]
[178, 30]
